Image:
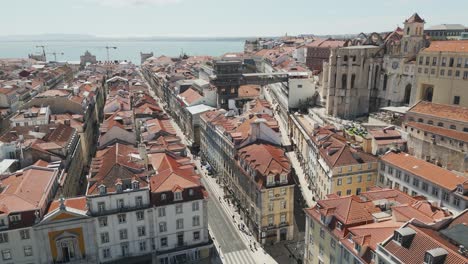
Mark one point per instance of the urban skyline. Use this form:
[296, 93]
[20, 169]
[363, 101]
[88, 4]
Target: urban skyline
[137, 18]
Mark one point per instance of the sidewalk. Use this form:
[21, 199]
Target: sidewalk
[306, 193]
[259, 255]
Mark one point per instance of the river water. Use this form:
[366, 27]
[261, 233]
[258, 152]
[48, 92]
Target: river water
[126, 49]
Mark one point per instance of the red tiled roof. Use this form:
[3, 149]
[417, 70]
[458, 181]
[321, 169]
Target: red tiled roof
[378, 232]
[450, 133]
[78, 203]
[422, 242]
[172, 171]
[451, 112]
[348, 209]
[421, 210]
[266, 159]
[425, 170]
[190, 96]
[385, 133]
[27, 189]
[115, 163]
[388, 194]
[336, 152]
[249, 91]
[448, 46]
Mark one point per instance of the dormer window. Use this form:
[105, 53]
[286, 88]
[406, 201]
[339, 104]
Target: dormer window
[15, 218]
[460, 189]
[135, 185]
[339, 225]
[102, 190]
[404, 236]
[283, 178]
[322, 218]
[178, 196]
[350, 238]
[119, 187]
[270, 180]
[357, 247]
[435, 256]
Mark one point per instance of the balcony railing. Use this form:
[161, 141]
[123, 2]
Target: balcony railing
[123, 209]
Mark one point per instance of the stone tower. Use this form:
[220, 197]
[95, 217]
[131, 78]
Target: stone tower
[413, 36]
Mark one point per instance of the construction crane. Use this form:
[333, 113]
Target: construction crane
[43, 51]
[55, 54]
[107, 49]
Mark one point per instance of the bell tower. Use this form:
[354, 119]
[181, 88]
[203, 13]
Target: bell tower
[413, 36]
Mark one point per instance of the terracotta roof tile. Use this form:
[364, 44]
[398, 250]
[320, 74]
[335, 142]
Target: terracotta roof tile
[115, 163]
[27, 189]
[448, 46]
[451, 112]
[78, 203]
[267, 160]
[425, 170]
[423, 241]
[172, 171]
[190, 96]
[249, 91]
[450, 133]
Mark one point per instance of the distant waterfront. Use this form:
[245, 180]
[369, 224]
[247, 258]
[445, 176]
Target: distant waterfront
[127, 49]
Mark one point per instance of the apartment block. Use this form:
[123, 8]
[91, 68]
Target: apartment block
[411, 175]
[438, 133]
[349, 229]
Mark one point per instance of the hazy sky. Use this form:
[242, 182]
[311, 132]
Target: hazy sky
[219, 17]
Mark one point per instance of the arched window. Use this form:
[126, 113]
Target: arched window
[353, 78]
[420, 120]
[440, 124]
[344, 80]
[430, 122]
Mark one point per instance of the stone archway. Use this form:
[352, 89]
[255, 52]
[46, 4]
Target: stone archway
[67, 247]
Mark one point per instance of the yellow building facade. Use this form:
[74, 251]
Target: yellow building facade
[354, 179]
[442, 73]
[277, 214]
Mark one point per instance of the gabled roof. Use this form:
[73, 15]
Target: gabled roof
[172, 171]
